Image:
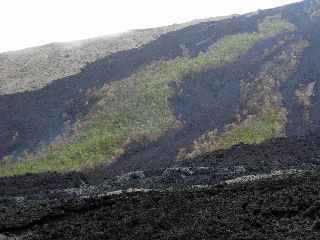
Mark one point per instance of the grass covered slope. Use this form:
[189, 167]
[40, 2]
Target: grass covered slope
[139, 107]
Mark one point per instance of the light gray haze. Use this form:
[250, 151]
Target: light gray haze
[36, 22]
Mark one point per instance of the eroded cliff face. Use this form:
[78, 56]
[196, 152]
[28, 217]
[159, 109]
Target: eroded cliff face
[197, 89]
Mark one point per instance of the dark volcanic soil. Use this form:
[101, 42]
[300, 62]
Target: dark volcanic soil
[275, 154]
[283, 208]
[31, 183]
[192, 200]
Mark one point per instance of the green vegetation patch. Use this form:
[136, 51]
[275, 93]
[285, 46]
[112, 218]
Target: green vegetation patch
[263, 114]
[253, 130]
[138, 107]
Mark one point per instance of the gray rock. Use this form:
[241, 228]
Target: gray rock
[176, 174]
[239, 169]
[316, 225]
[131, 176]
[177, 171]
[4, 237]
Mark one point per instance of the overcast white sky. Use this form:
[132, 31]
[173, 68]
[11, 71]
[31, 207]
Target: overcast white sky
[27, 23]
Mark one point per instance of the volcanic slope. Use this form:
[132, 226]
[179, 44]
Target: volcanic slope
[205, 87]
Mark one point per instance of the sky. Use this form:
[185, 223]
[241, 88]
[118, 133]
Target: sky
[31, 23]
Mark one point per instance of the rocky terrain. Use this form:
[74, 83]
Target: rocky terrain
[277, 209]
[207, 130]
[214, 196]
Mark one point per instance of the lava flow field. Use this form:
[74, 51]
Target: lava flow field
[279, 207]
